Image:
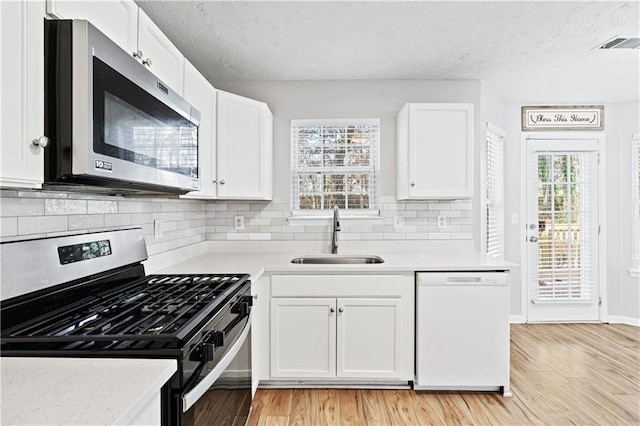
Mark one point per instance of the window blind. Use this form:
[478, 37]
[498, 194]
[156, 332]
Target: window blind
[335, 163]
[565, 195]
[494, 201]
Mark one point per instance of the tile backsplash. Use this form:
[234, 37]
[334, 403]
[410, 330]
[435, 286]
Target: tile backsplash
[269, 220]
[35, 213]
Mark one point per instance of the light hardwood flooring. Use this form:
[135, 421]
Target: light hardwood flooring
[561, 374]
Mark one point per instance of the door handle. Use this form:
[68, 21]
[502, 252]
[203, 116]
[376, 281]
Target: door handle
[533, 239]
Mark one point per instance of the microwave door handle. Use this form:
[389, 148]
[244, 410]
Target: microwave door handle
[191, 396]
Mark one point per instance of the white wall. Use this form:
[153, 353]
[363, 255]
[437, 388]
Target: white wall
[621, 120]
[352, 99]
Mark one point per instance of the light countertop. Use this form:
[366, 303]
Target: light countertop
[258, 263]
[79, 391]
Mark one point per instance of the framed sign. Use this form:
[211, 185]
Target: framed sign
[562, 117]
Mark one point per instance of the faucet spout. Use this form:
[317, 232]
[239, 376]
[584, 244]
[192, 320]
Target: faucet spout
[336, 228]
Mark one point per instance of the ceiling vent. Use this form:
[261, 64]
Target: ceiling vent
[622, 43]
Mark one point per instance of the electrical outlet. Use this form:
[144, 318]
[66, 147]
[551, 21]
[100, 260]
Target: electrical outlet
[441, 221]
[514, 218]
[157, 228]
[238, 223]
[398, 222]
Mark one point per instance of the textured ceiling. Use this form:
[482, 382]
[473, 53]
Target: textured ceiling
[523, 50]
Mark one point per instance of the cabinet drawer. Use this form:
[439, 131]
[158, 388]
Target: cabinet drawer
[336, 285]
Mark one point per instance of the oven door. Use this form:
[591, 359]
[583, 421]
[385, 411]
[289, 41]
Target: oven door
[222, 389]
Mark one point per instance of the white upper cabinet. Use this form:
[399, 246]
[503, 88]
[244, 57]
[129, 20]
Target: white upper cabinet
[127, 25]
[117, 19]
[244, 148]
[21, 93]
[201, 94]
[157, 52]
[435, 151]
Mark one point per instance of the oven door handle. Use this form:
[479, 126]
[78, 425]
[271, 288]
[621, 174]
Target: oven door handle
[190, 398]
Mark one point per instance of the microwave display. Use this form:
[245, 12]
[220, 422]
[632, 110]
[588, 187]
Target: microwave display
[132, 125]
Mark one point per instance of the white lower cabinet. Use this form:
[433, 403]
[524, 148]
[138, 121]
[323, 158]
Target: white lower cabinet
[363, 332]
[368, 338]
[303, 337]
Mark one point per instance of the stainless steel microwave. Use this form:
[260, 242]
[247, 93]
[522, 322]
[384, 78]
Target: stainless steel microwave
[113, 125]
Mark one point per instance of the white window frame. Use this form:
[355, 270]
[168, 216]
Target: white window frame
[493, 193]
[374, 184]
[635, 205]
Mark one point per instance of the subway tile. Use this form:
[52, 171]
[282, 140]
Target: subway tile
[461, 236]
[41, 224]
[350, 236]
[394, 236]
[129, 207]
[140, 218]
[418, 236]
[5, 193]
[59, 207]
[21, 207]
[216, 236]
[281, 236]
[439, 206]
[231, 236]
[101, 206]
[259, 236]
[41, 194]
[215, 206]
[8, 226]
[272, 213]
[439, 236]
[86, 221]
[117, 219]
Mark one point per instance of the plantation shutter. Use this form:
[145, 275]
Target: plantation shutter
[334, 163]
[494, 202]
[564, 189]
[636, 199]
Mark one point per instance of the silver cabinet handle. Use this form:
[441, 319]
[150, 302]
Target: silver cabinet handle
[413, 184]
[340, 310]
[332, 310]
[214, 181]
[222, 182]
[533, 239]
[42, 141]
[255, 297]
[138, 54]
[147, 62]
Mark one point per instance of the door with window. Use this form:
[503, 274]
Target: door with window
[562, 237]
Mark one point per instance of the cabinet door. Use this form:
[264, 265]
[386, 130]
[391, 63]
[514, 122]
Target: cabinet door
[303, 338]
[435, 152]
[369, 341]
[117, 19]
[159, 54]
[21, 92]
[201, 94]
[244, 142]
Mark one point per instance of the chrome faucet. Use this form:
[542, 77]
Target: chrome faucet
[336, 228]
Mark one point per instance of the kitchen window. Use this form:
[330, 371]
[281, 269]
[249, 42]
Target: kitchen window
[334, 163]
[494, 201]
[635, 175]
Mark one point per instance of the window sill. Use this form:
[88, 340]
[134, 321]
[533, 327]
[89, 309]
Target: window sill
[321, 218]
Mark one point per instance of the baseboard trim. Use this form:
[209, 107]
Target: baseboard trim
[615, 319]
[515, 319]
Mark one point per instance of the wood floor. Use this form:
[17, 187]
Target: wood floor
[561, 374]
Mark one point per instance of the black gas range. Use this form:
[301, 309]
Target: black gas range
[88, 296]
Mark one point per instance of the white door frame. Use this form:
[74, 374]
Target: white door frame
[602, 218]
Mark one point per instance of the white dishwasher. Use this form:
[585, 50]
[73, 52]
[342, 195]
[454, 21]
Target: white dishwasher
[462, 331]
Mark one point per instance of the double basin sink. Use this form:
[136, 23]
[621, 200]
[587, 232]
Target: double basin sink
[337, 260]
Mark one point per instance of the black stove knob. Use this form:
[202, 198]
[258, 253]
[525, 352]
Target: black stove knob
[247, 299]
[215, 338]
[207, 352]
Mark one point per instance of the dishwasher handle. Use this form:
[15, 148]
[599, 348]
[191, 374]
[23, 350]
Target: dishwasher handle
[463, 278]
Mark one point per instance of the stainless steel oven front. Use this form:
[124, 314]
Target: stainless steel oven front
[110, 121]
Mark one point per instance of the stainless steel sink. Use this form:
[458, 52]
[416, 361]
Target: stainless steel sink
[338, 259]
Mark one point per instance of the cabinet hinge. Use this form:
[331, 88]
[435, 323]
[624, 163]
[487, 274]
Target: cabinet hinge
[599, 300]
[599, 229]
